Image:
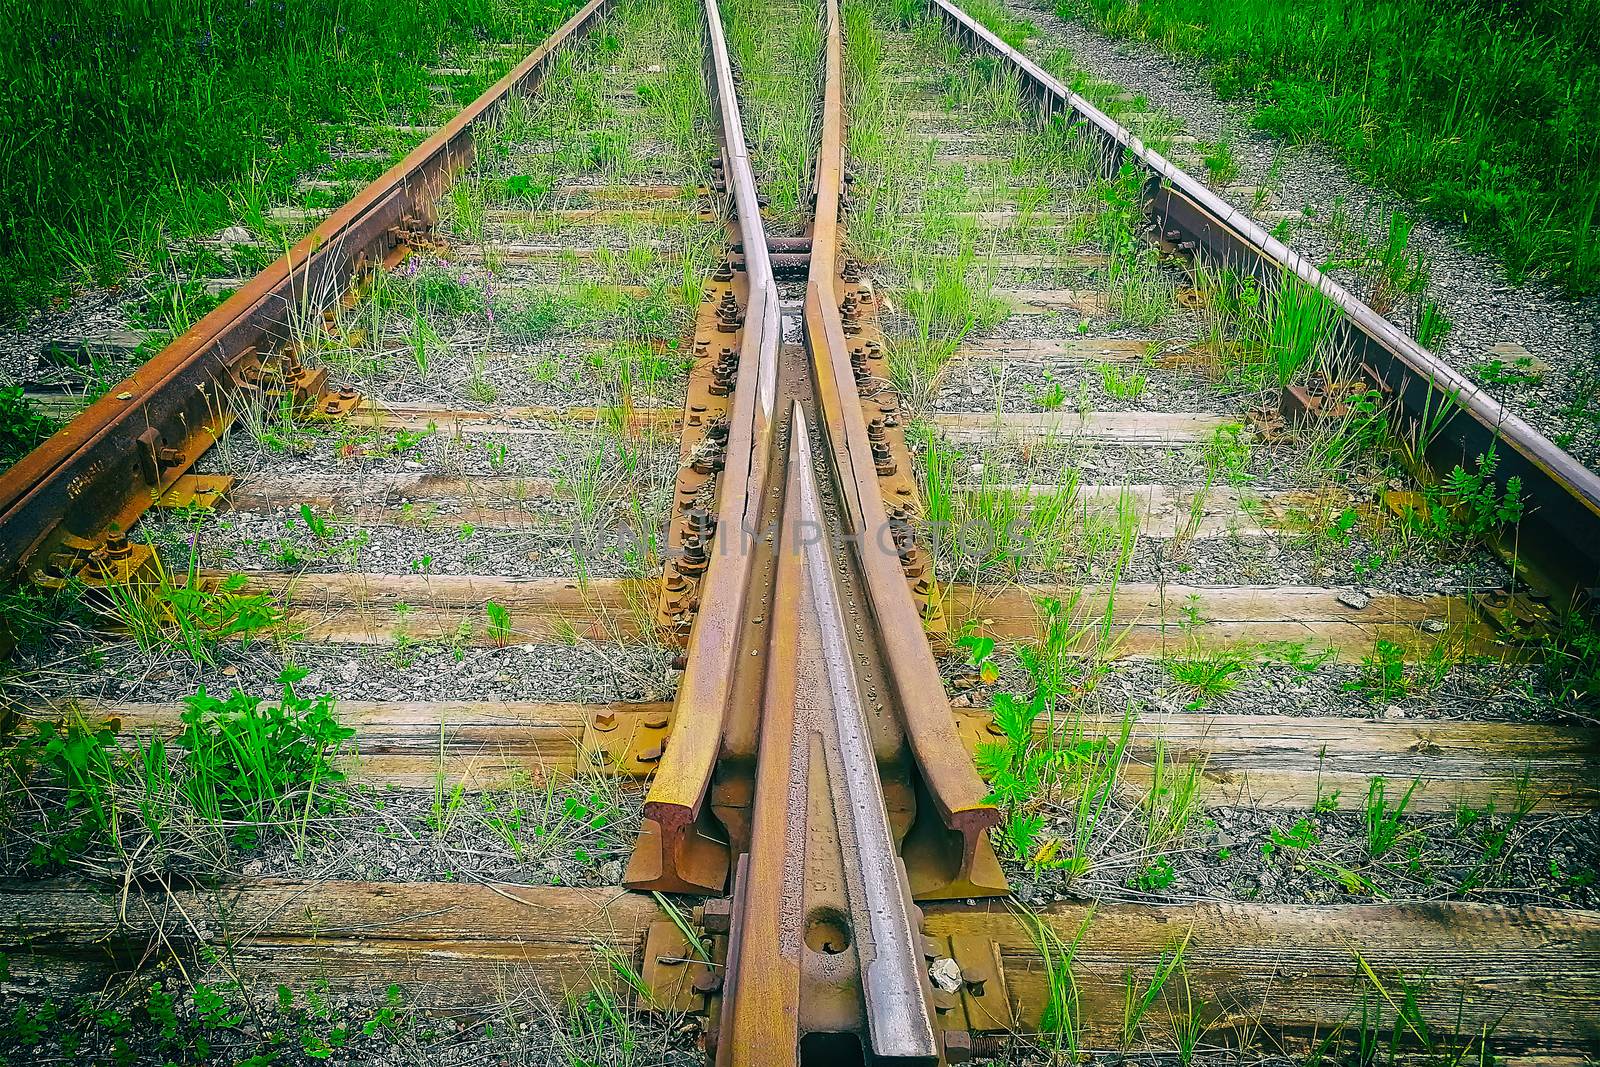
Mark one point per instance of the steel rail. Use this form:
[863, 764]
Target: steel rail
[947, 771]
[116, 456]
[822, 748]
[824, 940]
[1453, 420]
[681, 852]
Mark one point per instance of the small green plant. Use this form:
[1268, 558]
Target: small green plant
[1220, 162]
[1031, 762]
[1124, 385]
[315, 523]
[1207, 672]
[1173, 797]
[22, 426]
[1227, 453]
[499, 628]
[1137, 999]
[79, 759]
[247, 767]
[1383, 672]
[1477, 502]
[1060, 1024]
[1302, 835]
[1516, 372]
[1050, 397]
[192, 614]
[1187, 1014]
[1572, 659]
[1156, 877]
[980, 657]
[1432, 327]
[1383, 821]
[248, 763]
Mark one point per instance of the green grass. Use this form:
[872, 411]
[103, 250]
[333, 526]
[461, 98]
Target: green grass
[241, 768]
[188, 613]
[1208, 672]
[1484, 113]
[1138, 997]
[1173, 798]
[1382, 819]
[124, 125]
[22, 426]
[778, 54]
[1060, 1021]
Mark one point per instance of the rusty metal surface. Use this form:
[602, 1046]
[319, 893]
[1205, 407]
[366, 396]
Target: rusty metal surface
[681, 847]
[1452, 419]
[827, 940]
[98, 468]
[814, 755]
[950, 855]
[699, 810]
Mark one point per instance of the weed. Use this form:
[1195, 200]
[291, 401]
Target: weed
[1124, 385]
[499, 628]
[1141, 294]
[1187, 1014]
[1220, 162]
[1572, 659]
[1302, 835]
[1518, 373]
[980, 656]
[1383, 672]
[1172, 798]
[1477, 505]
[1207, 672]
[22, 425]
[247, 767]
[1059, 1021]
[1157, 876]
[1431, 326]
[1228, 453]
[1038, 758]
[97, 83]
[247, 760]
[1382, 821]
[315, 523]
[1051, 396]
[1137, 1001]
[193, 614]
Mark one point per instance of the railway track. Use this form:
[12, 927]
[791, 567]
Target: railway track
[997, 445]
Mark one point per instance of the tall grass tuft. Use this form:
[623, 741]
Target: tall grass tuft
[1485, 113]
[125, 123]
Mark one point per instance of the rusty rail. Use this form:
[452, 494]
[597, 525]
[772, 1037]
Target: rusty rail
[823, 766]
[940, 869]
[824, 937]
[682, 849]
[1445, 415]
[129, 447]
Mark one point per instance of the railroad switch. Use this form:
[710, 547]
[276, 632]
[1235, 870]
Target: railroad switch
[891, 456]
